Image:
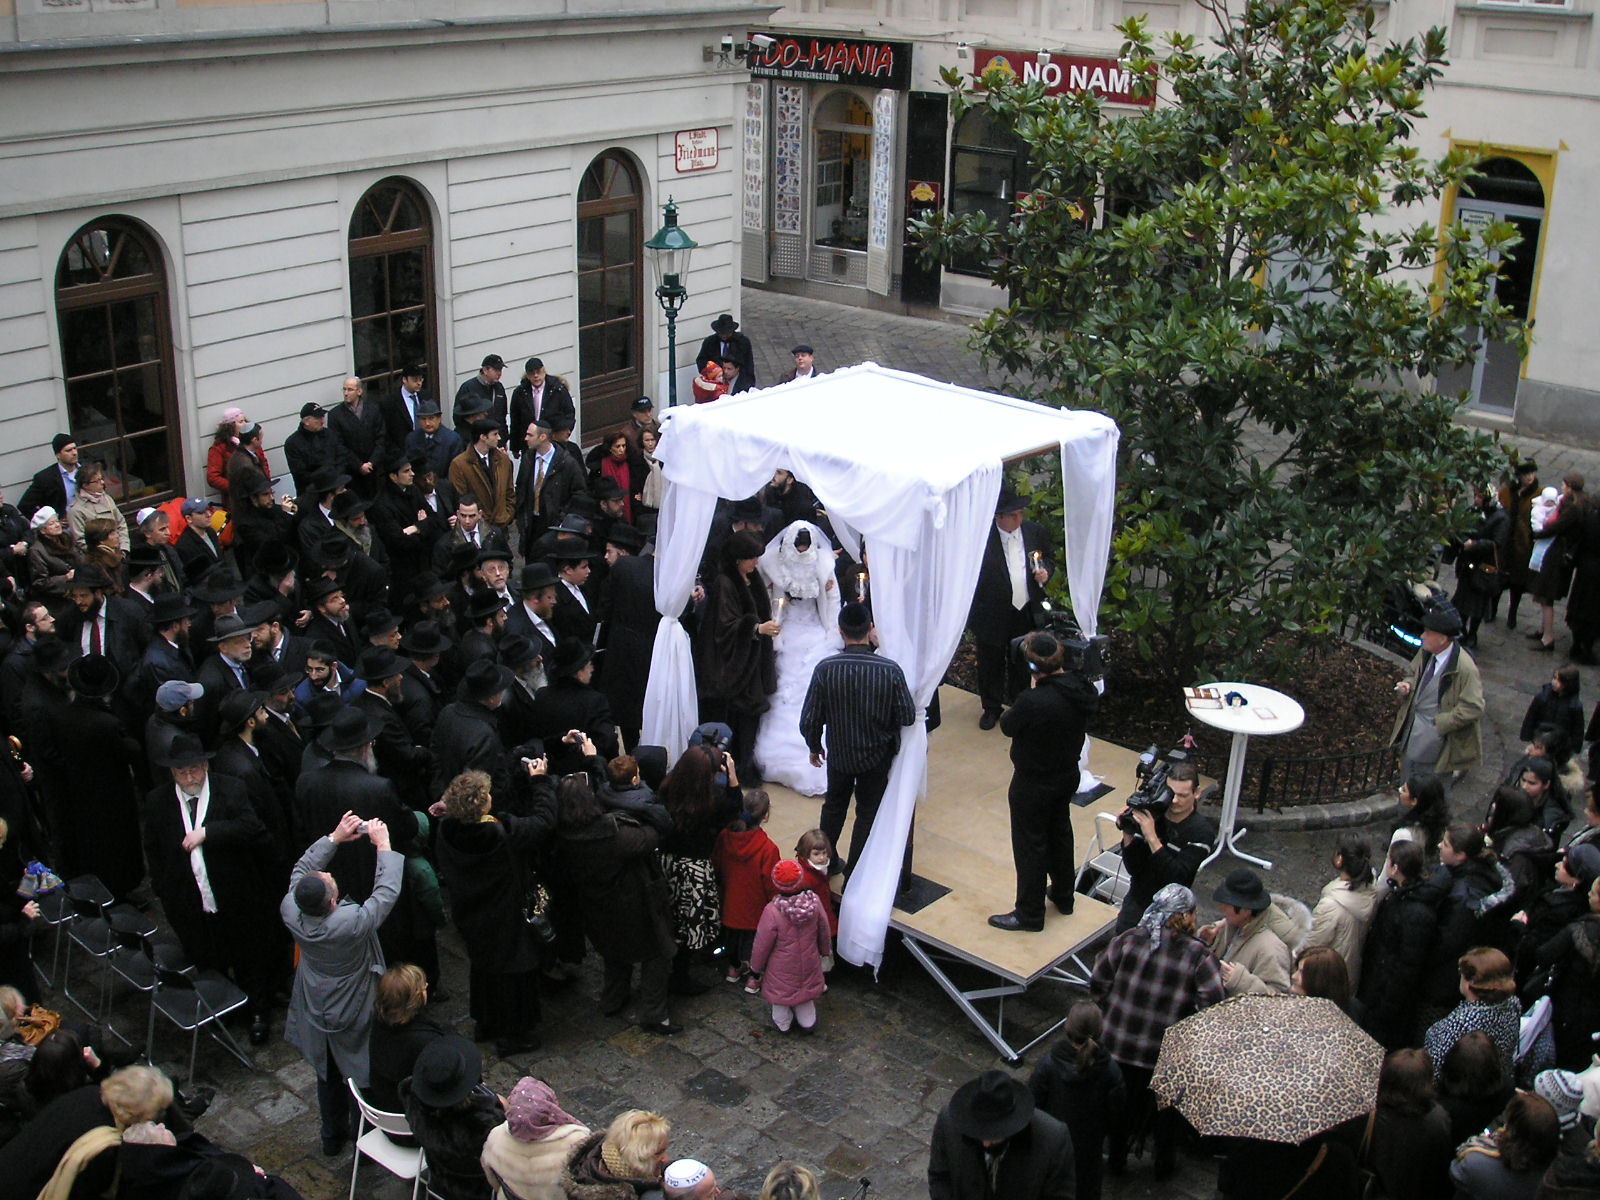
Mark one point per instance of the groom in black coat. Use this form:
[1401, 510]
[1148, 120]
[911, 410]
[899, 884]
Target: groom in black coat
[1017, 562]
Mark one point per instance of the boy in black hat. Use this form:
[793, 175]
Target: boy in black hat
[1006, 604]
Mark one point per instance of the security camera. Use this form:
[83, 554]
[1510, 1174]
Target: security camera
[762, 42]
[962, 51]
[727, 43]
[1044, 58]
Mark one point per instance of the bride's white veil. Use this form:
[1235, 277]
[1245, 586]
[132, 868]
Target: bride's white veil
[803, 576]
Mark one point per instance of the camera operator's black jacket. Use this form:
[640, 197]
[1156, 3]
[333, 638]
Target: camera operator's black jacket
[1183, 848]
[1047, 726]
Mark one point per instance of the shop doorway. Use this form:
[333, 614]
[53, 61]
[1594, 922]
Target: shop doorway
[1503, 190]
[610, 243]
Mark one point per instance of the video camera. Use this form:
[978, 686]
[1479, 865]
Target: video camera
[1085, 656]
[1154, 794]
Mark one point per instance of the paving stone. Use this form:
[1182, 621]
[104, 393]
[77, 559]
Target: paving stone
[717, 1088]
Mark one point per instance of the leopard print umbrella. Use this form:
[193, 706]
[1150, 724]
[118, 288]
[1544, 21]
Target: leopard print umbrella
[1278, 1068]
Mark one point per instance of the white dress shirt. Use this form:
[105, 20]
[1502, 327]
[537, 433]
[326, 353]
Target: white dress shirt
[1016, 566]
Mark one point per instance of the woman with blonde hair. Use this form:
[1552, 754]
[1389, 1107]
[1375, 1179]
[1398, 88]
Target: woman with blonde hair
[623, 1162]
[71, 1156]
[93, 501]
[399, 1034]
[790, 1181]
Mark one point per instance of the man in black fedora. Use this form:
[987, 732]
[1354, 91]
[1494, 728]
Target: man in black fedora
[402, 406]
[98, 812]
[167, 654]
[97, 622]
[1439, 726]
[281, 740]
[991, 1143]
[242, 718]
[431, 443]
[482, 624]
[422, 690]
[568, 703]
[272, 638]
[466, 736]
[521, 657]
[146, 569]
[629, 628]
[218, 594]
[574, 615]
[1017, 561]
[209, 866]
[224, 671]
[400, 760]
[536, 604]
[726, 339]
[330, 618]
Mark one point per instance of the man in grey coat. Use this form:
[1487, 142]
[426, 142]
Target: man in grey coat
[330, 1012]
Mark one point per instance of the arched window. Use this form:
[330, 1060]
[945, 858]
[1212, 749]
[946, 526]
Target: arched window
[988, 167]
[116, 358]
[391, 285]
[843, 181]
[610, 270]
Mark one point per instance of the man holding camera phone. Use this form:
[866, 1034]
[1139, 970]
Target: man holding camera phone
[1167, 848]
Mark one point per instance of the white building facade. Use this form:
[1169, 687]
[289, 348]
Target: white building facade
[847, 134]
[207, 204]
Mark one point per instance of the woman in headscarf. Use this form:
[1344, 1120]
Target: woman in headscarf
[523, 1158]
[1149, 978]
[733, 656]
[798, 569]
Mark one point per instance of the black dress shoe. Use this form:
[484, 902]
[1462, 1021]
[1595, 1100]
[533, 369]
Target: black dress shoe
[511, 1047]
[195, 1103]
[662, 1027]
[1063, 906]
[989, 720]
[1545, 648]
[259, 1031]
[1012, 923]
[333, 1147]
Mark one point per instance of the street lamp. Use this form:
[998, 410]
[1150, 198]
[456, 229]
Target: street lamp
[670, 248]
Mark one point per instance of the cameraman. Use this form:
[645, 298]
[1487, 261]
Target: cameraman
[1167, 849]
[1046, 725]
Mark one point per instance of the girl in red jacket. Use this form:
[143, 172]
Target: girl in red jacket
[744, 857]
[814, 853]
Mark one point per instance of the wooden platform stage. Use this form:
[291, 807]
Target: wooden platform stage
[963, 842]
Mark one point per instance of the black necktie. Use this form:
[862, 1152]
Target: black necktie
[193, 803]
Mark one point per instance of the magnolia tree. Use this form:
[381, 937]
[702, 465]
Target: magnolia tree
[1246, 260]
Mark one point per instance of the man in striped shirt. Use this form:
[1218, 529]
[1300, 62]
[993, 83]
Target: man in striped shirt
[861, 699]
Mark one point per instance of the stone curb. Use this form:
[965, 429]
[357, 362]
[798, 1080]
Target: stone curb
[1345, 814]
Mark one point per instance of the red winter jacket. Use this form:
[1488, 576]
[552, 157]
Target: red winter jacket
[817, 881]
[745, 862]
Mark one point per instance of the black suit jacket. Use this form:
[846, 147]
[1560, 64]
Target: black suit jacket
[293, 659]
[219, 680]
[357, 440]
[466, 737]
[711, 351]
[321, 629]
[162, 662]
[567, 704]
[990, 616]
[282, 749]
[400, 760]
[196, 554]
[322, 796]
[397, 422]
[518, 622]
[570, 619]
[270, 796]
[46, 487]
[120, 641]
[557, 408]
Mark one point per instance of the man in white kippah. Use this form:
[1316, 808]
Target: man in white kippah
[689, 1179]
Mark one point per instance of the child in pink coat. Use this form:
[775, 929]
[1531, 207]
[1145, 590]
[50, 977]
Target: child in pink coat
[791, 942]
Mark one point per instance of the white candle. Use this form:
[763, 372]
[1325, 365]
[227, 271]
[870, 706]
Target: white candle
[861, 585]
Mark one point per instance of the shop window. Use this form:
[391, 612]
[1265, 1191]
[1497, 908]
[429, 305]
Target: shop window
[116, 359]
[842, 173]
[988, 167]
[391, 285]
[610, 296]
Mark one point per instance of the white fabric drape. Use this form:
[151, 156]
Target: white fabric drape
[671, 704]
[920, 600]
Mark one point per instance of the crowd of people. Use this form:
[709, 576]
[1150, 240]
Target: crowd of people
[321, 719]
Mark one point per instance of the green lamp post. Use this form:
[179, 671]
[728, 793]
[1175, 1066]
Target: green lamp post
[670, 248]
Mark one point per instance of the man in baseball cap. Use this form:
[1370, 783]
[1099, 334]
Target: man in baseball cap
[482, 396]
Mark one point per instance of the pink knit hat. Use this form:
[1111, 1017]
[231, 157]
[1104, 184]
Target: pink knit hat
[787, 876]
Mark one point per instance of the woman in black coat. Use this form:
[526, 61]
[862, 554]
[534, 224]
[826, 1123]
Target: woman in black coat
[1474, 887]
[702, 795]
[608, 861]
[1080, 1085]
[1398, 944]
[1479, 564]
[485, 863]
[100, 825]
[1574, 955]
[734, 663]
[1558, 706]
[1552, 910]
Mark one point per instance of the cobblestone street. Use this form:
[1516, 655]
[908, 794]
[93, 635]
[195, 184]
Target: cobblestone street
[859, 1099]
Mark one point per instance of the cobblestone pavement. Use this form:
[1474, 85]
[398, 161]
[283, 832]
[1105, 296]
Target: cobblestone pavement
[858, 1099]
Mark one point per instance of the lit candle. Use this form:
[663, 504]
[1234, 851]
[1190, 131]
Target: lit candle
[783, 602]
[861, 585]
[1037, 555]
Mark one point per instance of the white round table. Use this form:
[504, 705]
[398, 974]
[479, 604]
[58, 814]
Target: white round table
[1265, 712]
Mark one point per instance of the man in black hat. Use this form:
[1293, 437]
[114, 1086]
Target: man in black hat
[574, 615]
[260, 521]
[521, 657]
[56, 486]
[271, 639]
[1251, 939]
[569, 703]
[805, 364]
[531, 615]
[407, 527]
[310, 449]
[431, 442]
[1006, 603]
[97, 813]
[726, 339]
[430, 601]
[330, 618]
[209, 866]
[481, 398]
[167, 655]
[991, 1143]
[315, 519]
[546, 482]
[483, 621]
[422, 690]
[280, 741]
[350, 519]
[1438, 728]
[541, 396]
[400, 407]
[225, 671]
[242, 718]
[793, 499]
[466, 736]
[400, 760]
[98, 625]
[145, 574]
[629, 629]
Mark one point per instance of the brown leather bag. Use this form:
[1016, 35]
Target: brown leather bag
[37, 1024]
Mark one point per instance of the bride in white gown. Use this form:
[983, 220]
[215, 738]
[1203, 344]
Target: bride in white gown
[800, 580]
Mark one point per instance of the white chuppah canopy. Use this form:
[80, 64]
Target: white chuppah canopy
[913, 465]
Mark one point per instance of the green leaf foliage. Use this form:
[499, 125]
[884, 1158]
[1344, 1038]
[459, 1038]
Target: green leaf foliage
[1253, 273]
